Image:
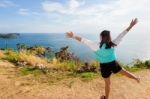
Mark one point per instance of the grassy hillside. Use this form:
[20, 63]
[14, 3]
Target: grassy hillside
[63, 64]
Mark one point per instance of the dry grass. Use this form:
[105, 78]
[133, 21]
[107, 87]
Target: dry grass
[31, 59]
[2, 54]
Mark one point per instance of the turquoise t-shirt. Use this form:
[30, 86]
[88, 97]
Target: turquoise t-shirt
[105, 55]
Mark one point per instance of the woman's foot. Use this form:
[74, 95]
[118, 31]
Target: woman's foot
[103, 97]
[138, 79]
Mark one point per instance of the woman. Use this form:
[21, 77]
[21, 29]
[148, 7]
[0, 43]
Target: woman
[105, 53]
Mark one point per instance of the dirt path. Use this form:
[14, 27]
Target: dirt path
[122, 87]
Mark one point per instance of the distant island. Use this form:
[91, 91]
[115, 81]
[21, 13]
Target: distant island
[9, 35]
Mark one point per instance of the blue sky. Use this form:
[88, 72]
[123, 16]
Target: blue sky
[81, 16]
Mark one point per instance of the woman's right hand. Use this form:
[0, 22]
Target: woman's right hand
[133, 22]
[69, 34]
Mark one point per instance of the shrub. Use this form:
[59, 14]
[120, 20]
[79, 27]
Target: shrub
[67, 65]
[11, 56]
[31, 59]
[142, 64]
[24, 56]
[29, 70]
[95, 63]
[147, 64]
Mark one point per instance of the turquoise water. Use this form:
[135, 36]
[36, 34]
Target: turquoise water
[128, 50]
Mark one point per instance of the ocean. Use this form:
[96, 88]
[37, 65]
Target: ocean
[127, 51]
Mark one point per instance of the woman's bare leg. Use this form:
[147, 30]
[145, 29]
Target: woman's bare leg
[107, 87]
[130, 75]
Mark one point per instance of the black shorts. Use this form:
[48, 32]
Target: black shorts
[107, 69]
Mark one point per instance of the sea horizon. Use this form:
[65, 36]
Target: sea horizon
[57, 40]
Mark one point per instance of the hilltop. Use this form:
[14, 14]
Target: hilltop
[14, 86]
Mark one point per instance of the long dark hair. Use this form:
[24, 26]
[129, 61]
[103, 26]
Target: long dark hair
[106, 39]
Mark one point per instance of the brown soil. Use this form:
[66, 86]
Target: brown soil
[14, 86]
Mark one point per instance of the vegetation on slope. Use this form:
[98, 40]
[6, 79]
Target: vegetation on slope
[62, 64]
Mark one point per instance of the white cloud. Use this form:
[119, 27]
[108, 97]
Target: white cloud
[6, 3]
[23, 12]
[26, 12]
[73, 5]
[68, 8]
[51, 7]
[83, 17]
[80, 16]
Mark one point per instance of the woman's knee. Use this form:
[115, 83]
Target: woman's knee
[107, 82]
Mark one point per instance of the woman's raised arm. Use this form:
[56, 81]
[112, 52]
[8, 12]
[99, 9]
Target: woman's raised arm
[93, 45]
[71, 35]
[121, 35]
